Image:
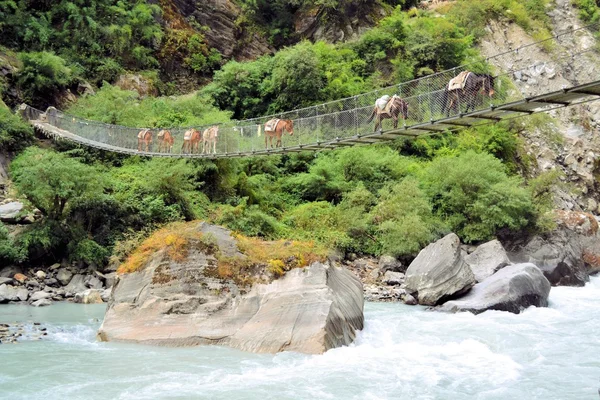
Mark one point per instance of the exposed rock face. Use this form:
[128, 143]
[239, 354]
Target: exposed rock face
[439, 272]
[487, 259]
[348, 21]
[570, 143]
[136, 82]
[512, 289]
[559, 255]
[223, 33]
[308, 310]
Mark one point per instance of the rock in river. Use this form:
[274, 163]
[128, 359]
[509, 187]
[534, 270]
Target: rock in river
[513, 289]
[307, 310]
[439, 272]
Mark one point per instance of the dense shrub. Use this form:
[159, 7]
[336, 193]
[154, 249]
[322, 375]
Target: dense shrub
[43, 75]
[476, 198]
[15, 134]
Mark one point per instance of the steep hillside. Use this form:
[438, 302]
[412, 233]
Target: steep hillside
[569, 141]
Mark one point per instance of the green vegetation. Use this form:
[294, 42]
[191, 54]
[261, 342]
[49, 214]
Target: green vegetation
[116, 106]
[373, 200]
[589, 10]
[15, 134]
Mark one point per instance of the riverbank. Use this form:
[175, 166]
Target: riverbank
[403, 352]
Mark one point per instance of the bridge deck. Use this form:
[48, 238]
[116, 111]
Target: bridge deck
[535, 104]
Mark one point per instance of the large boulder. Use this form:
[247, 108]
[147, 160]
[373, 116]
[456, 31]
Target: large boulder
[512, 289]
[487, 259]
[559, 255]
[309, 310]
[64, 276]
[389, 263]
[76, 284]
[178, 303]
[10, 212]
[439, 272]
[11, 293]
[40, 295]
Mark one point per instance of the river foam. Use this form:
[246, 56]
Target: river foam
[403, 352]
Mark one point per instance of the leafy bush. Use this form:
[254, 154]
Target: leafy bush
[52, 181]
[9, 251]
[248, 220]
[475, 197]
[123, 107]
[44, 74]
[589, 11]
[15, 134]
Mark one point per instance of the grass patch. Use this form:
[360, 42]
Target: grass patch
[175, 240]
[267, 258]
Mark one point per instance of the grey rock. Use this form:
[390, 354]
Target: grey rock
[76, 285]
[393, 278]
[9, 212]
[90, 296]
[22, 294]
[54, 267]
[93, 282]
[51, 282]
[389, 263]
[64, 276]
[32, 283]
[487, 259]
[410, 300]
[374, 274]
[42, 303]
[110, 279]
[40, 275]
[308, 310]
[439, 272]
[6, 280]
[559, 256]
[10, 271]
[105, 295]
[39, 295]
[8, 293]
[512, 289]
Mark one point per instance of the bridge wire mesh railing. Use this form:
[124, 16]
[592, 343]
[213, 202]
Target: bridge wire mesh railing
[341, 120]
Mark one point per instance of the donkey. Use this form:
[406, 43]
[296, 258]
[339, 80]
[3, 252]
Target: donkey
[209, 137]
[395, 107]
[191, 141]
[275, 128]
[165, 141]
[473, 85]
[144, 138]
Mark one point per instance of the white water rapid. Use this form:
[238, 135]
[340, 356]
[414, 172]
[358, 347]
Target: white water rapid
[403, 353]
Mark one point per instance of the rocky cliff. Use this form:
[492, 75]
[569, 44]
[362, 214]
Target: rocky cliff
[570, 142]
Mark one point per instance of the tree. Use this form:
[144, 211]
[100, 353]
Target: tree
[52, 181]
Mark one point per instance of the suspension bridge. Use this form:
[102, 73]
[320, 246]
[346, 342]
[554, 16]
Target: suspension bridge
[522, 87]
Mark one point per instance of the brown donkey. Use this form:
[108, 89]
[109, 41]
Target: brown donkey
[145, 140]
[191, 141]
[165, 141]
[393, 109]
[275, 128]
